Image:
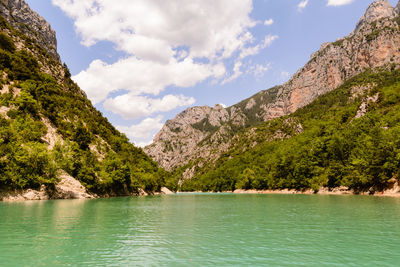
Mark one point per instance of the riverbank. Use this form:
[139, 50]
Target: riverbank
[392, 192]
[67, 188]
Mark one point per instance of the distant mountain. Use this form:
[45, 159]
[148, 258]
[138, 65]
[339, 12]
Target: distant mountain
[196, 138]
[53, 142]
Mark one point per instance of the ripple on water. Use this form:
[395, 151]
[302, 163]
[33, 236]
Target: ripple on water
[206, 230]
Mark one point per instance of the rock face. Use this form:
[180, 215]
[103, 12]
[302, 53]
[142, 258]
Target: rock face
[22, 17]
[67, 188]
[202, 134]
[377, 10]
[70, 188]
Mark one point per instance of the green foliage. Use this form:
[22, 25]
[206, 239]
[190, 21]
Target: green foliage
[338, 43]
[205, 126]
[19, 65]
[24, 161]
[6, 43]
[334, 149]
[92, 151]
[372, 36]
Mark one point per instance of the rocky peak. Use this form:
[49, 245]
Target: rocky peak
[397, 8]
[376, 11]
[205, 133]
[21, 16]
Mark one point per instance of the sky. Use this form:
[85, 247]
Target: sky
[141, 62]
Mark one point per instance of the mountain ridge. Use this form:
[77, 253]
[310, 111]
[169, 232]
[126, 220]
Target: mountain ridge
[197, 137]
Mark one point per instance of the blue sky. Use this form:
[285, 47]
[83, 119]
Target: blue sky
[141, 62]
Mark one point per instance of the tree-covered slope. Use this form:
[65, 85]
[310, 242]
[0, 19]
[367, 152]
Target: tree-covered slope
[203, 134]
[48, 128]
[348, 137]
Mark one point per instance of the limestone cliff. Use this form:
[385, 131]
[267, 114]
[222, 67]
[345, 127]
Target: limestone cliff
[202, 134]
[22, 17]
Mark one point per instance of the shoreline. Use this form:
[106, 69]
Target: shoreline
[33, 195]
[68, 193]
[340, 191]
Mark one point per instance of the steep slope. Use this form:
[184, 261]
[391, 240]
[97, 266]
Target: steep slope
[199, 135]
[51, 137]
[347, 138]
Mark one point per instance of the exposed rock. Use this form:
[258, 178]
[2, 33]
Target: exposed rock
[35, 195]
[250, 104]
[362, 110]
[3, 111]
[51, 137]
[70, 188]
[377, 10]
[218, 115]
[142, 193]
[5, 89]
[374, 44]
[166, 191]
[393, 188]
[357, 91]
[22, 17]
[25, 195]
[67, 188]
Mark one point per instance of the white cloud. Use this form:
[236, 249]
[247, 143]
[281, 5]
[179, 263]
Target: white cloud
[258, 70]
[143, 133]
[236, 73]
[139, 26]
[302, 5]
[269, 39]
[131, 106]
[339, 2]
[268, 22]
[166, 43]
[223, 105]
[254, 50]
[142, 77]
[284, 76]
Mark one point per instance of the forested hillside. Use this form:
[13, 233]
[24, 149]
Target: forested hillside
[199, 136]
[49, 129]
[348, 137]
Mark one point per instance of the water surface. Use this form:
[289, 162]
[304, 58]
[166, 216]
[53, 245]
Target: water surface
[203, 230]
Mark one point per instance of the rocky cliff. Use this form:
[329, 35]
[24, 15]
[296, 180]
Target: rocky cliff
[201, 134]
[22, 17]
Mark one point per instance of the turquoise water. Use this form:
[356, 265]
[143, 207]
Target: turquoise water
[203, 230]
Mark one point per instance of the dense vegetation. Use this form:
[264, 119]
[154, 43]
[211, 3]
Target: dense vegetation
[333, 148]
[89, 148]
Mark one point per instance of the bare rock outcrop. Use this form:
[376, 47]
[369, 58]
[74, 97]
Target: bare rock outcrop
[22, 17]
[70, 188]
[166, 191]
[67, 188]
[376, 11]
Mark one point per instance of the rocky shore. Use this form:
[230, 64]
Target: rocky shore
[392, 192]
[67, 188]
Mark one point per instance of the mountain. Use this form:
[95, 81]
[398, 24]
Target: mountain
[197, 137]
[53, 142]
[31, 24]
[345, 140]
